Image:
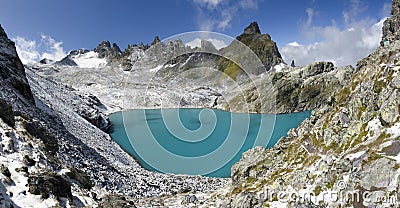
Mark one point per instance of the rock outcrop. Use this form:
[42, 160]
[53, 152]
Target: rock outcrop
[12, 74]
[297, 89]
[348, 147]
[391, 26]
[105, 50]
[262, 45]
[51, 142]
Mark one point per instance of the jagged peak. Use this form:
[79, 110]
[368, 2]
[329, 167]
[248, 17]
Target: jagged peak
[252, 29]
[2, 32]
[391, 26]
[156, 40]
[395, 7]
[103, 45]
[116, 48]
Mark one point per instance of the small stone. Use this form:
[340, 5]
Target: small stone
[4, 170]
[28, 161]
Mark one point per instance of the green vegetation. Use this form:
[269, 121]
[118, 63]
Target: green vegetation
[343, 95]
[317, 190]
[231, 69]
[361, 110]
[379, 85]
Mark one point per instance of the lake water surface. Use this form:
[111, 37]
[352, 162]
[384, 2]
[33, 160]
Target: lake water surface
[197, 141]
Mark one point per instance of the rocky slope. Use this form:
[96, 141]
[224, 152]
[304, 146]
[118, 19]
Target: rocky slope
[261, 44]
[293, 89]
[348, 146]
[346, 155]
[54, 152]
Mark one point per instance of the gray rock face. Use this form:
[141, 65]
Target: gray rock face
[252, 29]
[395, 7]
[66, 61]
[299, 89]
[7, 113]
[12, 73]
[105, 50]
[116, 201]
[348, 146]
[56, 124]
[261, 44]
[49, 184]
[155, 41]
[87, 106]
[46, 61]
[317, 68]
[391, 26]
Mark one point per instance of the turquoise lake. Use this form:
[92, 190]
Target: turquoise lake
[197, 141]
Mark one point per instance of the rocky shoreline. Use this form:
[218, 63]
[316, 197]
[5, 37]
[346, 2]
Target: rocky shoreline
[55, 151]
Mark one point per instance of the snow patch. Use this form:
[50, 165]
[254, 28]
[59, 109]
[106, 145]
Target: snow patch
[279, 67]
[156, 69]
[374, 125]
[355, 155]
[89, 60]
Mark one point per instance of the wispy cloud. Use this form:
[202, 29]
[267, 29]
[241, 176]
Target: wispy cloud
[218, 14]
[31, 51]
[356, 8]
[26, 49]
[386, 9]
[249, 4]
[342, 46]
[310, 15]
[54, 49]
[208, 3]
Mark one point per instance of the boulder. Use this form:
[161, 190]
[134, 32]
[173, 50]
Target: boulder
[47, 184]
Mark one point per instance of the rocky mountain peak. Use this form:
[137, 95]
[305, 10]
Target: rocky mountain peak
[105, 50]
[261, 44]
[391, 26]
[395, 7]
[208, 46]
[2, 32]
[115, 48]
[12, 71]
[156, 40]
[252, 29]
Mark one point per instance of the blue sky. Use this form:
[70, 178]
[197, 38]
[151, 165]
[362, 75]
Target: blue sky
[296, 25]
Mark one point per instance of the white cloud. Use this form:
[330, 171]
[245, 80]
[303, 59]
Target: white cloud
[249, 4]
[340, 46]
[208, 3]
[356, 7]
[197, 43]
[294, 44]
[26, 49]
[218, 14]
[226, 19]
[310, 14]
[54, 49]
[30, 51]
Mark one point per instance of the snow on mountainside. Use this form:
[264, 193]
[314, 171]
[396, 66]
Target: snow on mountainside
[81, 58]
[54, 146]
[89, 60]
[54, 153]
